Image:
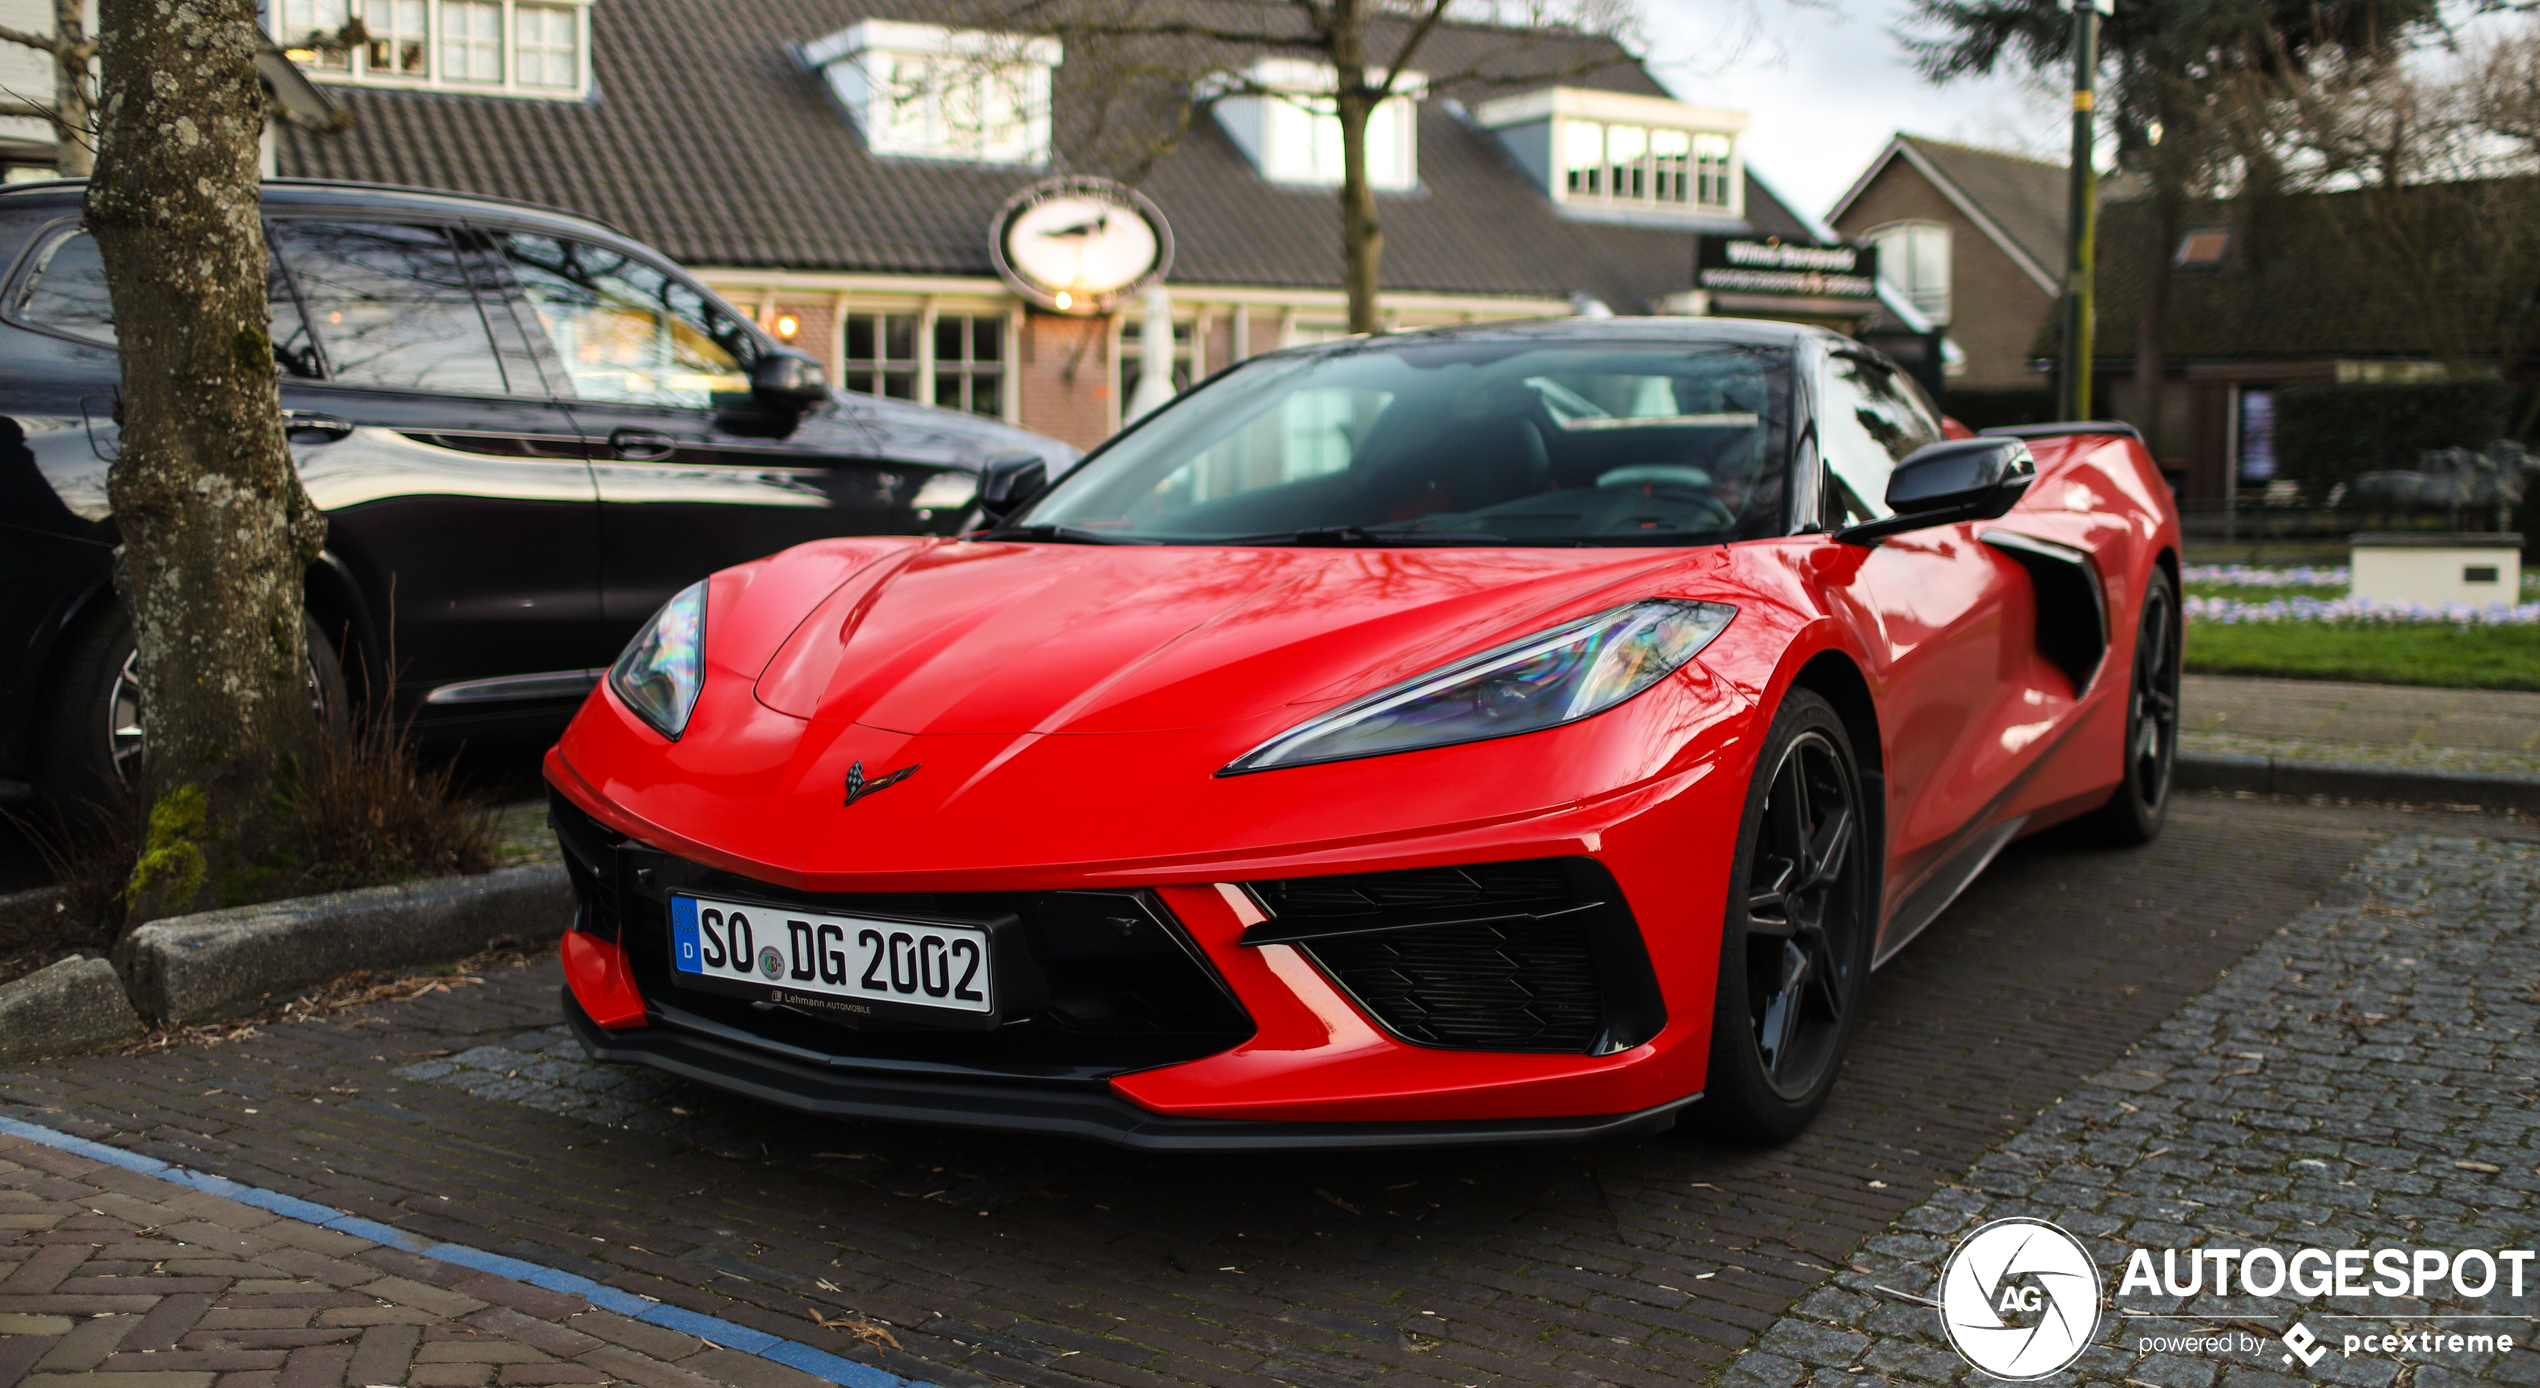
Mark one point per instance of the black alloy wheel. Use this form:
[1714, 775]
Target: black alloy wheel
[1795, 946]
[2133, 815]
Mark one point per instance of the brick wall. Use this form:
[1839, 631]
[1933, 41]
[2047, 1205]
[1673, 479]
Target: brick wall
[1995, 308]
[816, 331]
[1063, 369]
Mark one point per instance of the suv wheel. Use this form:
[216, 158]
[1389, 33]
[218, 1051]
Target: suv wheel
[90, 744]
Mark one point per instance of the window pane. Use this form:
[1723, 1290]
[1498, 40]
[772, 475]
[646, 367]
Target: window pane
[548, 46]
[1624, 146]
[1872, 420]
[397, 37]
[899, 336]
[987, 396]
[948, 390]
[948, 340]
[1670, 165]
[987, 339]
[625, 329]
[471, 41]
[1384, 144]
[67, 293]
[1583, 157]
[1711, 170]
[298, 21]
[392, 305]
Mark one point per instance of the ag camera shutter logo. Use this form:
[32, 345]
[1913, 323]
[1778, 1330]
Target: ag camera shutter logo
[2020, 1299]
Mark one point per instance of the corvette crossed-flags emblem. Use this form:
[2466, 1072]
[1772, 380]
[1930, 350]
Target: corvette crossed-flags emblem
[859, 787]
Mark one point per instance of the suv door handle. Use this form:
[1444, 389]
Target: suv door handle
[642, 445]
[308, 426]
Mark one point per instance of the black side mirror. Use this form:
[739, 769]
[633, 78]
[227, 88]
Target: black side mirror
[1951, 481]
[789, 381]
[1009, 482]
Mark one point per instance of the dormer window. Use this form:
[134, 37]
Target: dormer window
[484, 47]
[1614, 153]
[924, 91]
[1280, 113]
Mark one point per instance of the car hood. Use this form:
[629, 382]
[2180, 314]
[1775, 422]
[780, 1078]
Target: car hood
[977, 638]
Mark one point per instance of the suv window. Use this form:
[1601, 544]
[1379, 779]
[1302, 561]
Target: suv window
[65, 290]
[626, 330]
[1872, 418]
[392, 305]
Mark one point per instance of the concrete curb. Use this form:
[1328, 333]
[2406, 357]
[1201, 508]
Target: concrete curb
[194, 968]
[75, 1005]
[2358, 781]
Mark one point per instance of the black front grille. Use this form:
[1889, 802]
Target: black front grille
[1117, 986]
[1539, 955]
[1515, 986]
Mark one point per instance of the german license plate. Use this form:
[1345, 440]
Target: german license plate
[909, 963]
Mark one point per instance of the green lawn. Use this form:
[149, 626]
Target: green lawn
[2325, 591]
[2480, 657]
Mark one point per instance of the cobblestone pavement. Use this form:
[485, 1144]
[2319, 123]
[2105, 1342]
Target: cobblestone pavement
[1055, 1263]
[2365, 1079]
[2489, 730]
[111, 1279]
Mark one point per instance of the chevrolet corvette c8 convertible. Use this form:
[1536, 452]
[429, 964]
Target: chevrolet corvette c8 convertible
[1493, 734]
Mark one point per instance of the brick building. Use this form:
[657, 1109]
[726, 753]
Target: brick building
[764, 144]
[1975, 239]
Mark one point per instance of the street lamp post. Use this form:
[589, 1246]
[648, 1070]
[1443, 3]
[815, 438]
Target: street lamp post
[2082, 236]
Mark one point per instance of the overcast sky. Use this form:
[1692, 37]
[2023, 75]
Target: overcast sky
[1827, 84]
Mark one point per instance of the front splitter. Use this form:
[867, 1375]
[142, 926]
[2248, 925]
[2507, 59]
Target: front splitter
[1000, 1106]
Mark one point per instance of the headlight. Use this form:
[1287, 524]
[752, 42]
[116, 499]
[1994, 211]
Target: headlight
[663, 668]
[1574, 671]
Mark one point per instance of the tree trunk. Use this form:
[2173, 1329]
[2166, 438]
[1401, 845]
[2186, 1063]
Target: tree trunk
[216, 531]
[2152, 313]
[77, 153]
[1362, 236]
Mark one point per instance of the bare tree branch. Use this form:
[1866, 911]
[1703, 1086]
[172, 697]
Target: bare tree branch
[42, 43]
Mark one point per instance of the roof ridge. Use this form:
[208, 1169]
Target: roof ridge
[1981, 149]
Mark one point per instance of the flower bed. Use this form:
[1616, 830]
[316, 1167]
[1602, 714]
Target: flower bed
[2300, 623]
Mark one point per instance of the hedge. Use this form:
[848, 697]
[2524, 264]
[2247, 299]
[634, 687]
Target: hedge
[2327, 434]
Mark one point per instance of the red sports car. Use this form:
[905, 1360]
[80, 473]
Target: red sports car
[1501, 734]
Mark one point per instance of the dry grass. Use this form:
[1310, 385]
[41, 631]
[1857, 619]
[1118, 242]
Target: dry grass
[368, 811]
[89, 853]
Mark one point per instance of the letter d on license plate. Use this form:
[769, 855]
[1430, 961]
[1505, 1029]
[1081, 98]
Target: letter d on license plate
[807, 956]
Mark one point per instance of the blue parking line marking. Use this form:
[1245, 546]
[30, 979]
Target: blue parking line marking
[793, 1354]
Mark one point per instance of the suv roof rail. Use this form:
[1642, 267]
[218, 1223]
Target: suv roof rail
[403, 189]
[2056, 431]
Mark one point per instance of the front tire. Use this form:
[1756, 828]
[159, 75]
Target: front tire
[1795, 944]
[89, 745]
[2133, 815]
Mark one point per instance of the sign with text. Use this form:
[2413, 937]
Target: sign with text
[1748, 265]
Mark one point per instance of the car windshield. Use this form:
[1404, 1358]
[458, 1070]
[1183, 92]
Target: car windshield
[1451, 442]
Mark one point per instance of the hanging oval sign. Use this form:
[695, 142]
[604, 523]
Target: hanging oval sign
[1079, 244]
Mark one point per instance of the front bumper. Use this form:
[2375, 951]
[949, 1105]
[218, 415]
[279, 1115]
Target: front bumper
[1322, 1048]
[681, 1044]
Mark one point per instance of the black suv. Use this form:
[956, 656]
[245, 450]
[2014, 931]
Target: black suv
[527, 432]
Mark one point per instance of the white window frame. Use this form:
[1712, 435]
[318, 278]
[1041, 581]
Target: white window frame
[1568, 113]
[1280, 112]
[1895, 242]
[865, 64]
[356, 71]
